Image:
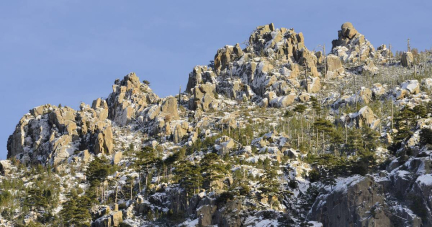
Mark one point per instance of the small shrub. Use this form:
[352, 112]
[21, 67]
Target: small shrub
[292, 184]
[224, 197]
[314, 175]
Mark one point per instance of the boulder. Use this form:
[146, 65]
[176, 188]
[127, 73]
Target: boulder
[369, 68]
[365, 95]
[401, 93]
[226, 55]
[378, 90]
[272, 61]
[427, 84]
[295, 71]
[283, 101]
[314, 85]
[334, 66]
[351, 46]
[169, 108]
[203, 97]
[412, 86]
[260, 31]
[407, 59]
[117, 218]
[86, 156]
[304, 97]
[104, 141]
[383, 54]
[129, 99]
[99, 141]
[205, 213]
[309, 60]
[224, 145]
[99, 103]
[117, 157]
[5, 167]
[112, 220]
[237, 50]
[40, 110]
[230, 215]
[200, 75]
[60, 149]
[366, 117]
[320, 57]
[348, 30]
[61, 117]
[179, 133]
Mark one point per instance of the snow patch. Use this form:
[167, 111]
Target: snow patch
[425, 180]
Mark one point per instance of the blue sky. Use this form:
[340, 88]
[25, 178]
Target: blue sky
[72, 51]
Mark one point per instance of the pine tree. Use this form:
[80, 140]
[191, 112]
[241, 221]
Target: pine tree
[76, 211]
[188, 176]
[211, 165]
[355, 143]
[420, 111]
[426, 136]
[37, 198]
[98, 170]
[270, 183]
[369, 138]
[323, 126]
[147, 161]
[300, 108]
[328, 178]
[316, 106]
[403, 121]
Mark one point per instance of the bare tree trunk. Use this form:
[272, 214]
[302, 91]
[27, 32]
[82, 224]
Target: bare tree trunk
[317, 140]
[325, 62]
[323, 140]
[139, 182]
[116, 192]
[346, 134]
[301, 124]
[289, 132]
[179, 98]
[391, 115]
[131, 191]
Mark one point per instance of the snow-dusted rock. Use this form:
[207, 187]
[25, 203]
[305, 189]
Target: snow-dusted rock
[334, 66]
[407, 59]
[351, 46]
[412, 86]
[350, 202]
[378, 90]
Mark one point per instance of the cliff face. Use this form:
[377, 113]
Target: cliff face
[50, 134]
[268, 134]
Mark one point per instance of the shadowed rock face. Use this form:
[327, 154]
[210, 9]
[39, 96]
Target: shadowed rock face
[360, 203]
[401, 197]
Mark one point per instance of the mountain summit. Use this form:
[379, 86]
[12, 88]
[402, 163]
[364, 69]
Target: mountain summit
[268, 134]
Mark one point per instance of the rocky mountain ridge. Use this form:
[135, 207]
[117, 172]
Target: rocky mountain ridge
[272, 134]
